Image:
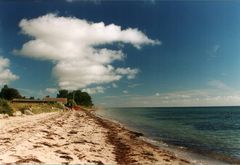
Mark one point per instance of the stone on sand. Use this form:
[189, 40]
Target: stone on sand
[28, 112]
[17, 113]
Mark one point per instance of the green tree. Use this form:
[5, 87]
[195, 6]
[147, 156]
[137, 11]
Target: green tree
[63, 93]
[9, 93]
[71, 103]
[76, 97]
[31, 98]
[83, 98]
[70, 95]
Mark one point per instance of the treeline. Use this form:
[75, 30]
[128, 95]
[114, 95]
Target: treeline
[76, 97]
[9, 93]
[12, 93]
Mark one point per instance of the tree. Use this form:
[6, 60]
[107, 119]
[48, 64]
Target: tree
[31, 98]
[71, 103]
[9, 93]
[78, 97]
[83, 98]
[63, 93]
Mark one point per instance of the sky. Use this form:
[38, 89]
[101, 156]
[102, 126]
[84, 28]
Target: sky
[124, 53]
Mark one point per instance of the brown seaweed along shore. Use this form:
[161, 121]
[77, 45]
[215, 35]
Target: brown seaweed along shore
[76, 137]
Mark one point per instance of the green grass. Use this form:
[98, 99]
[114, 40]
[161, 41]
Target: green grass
[5, 107]
[37, 108]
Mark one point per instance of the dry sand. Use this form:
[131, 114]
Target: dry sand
[75, 137]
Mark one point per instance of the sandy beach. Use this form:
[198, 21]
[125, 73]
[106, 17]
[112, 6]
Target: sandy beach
[76, 137]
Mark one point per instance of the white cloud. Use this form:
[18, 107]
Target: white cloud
[98, 89]
[114, 85]
[134, 85]
[71, 44]
[6, 75]
[131, 73]
[51, 90]
[213, 51]
[218, 84]
[125, 91]
[197, 97]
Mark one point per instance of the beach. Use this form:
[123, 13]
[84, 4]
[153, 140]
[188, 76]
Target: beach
[76, 137]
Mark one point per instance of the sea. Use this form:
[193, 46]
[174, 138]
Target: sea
[210, 131]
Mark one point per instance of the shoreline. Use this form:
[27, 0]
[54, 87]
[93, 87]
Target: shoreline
[183, 152]
[131, 149]
[80, 137]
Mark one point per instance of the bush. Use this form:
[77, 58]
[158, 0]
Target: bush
[9, 93]
[23, 108]
[5, 107]
[71, 103]
[57, 105]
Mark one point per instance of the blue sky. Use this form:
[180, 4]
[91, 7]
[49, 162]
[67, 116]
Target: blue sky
[189, 56]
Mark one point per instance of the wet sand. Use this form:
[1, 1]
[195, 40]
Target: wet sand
[76, 137]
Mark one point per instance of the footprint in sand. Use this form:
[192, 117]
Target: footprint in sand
[61, 152]
[66, 157]
[73, 132]
[28, 159]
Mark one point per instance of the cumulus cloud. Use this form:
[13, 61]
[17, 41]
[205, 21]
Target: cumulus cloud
[98, 89]
[73, 45]
[131, 73]
[6, 75]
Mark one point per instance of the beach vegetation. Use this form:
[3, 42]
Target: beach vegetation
[9, 93]
[71, 103]
[57, 105]
[36, 108]
[5, 107]
[63, 93]
[76, 97]
[83, 98]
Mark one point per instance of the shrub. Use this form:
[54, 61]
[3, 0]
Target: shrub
[9, 93]
[5, 107]
[71, 103]
[23, 108]
[57, 105]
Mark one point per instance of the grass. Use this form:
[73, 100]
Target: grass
[37, 108]
[5, 107]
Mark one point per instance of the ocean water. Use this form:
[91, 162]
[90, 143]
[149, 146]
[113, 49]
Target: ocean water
[211, 131]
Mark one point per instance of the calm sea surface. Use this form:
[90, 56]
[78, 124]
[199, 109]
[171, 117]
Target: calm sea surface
[213, 131]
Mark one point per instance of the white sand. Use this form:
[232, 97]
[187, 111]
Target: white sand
[75, 137]
[53, 138]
